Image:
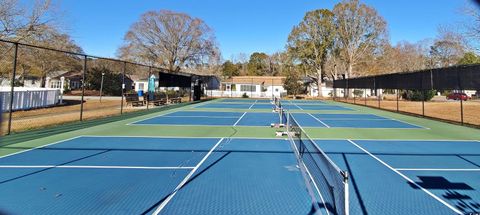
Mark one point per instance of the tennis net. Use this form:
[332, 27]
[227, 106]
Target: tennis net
[326, 182]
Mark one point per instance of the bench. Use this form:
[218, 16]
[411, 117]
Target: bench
[133, 100]
[176, 100]
[157, 100]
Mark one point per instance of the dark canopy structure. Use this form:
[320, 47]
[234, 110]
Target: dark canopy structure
[172, 79]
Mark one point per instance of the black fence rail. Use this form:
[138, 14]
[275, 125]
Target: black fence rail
[43, 86]
[450, 94]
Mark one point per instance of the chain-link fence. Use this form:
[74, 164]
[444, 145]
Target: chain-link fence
[450, 94]
[41, 87]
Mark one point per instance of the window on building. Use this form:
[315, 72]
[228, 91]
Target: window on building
[141, 86]
[248, 88]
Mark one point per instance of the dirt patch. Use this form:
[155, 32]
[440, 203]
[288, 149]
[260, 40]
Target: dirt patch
[447, 110]
[39, 118]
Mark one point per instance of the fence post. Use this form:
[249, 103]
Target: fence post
[461, 110]
[123, 85]
[12, 84]
[273, 96]
[251, 89]
[397, 100]
[460, 86]
[83, 85]
[423, 102]
[365, 97]
[334, 93]
[148, 87]
[379, 98]
[190, 91]
[354, 97]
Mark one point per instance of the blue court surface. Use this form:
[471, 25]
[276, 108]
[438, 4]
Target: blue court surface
[151, 175]
[409, 177]
[313, 102]
[289, 106]
[350, 121]
[245, 101]
[136, 175]
[213, 119]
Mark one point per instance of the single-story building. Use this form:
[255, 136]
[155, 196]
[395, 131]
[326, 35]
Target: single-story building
[73, 80]
[253, 86]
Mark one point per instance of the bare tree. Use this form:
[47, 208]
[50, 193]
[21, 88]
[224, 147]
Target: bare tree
[448, 48]
[473, 24]
[361, 30]
[18, 22]
[169, 39]
[39, 62]
[311, 41]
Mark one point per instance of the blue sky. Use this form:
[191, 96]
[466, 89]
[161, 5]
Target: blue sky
[245, 26]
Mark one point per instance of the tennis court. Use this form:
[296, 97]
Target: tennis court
[253, 104]
[199, 159]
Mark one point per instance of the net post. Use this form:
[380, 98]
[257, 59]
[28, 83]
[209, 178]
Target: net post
[288, 123]
[347, 203]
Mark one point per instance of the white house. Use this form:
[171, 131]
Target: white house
[252, 86]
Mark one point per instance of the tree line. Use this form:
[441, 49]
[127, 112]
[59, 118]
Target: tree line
[352, 40]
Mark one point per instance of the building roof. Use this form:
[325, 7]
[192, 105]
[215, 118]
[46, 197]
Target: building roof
[257, 80]
[68, 75]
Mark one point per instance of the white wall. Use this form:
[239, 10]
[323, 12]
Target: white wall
[28, 98]
[144, 88]
[256, 93]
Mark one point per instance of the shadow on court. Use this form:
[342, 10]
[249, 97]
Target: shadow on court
[463, 202]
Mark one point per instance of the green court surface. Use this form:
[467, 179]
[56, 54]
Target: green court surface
[403, 165]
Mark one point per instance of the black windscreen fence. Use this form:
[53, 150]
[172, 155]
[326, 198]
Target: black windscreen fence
[174, 80]
[450, 78]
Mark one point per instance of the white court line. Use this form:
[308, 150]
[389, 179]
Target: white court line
[252, 105]
[339, 127]
[406, 140]
[173, 110]
[227, 117]
[419, 126]
[319, 120]
[173, 137]
[38, 147]
[240, 119]
[440, 170]
[193, 125]
[163, 114]
[354, 119]
[407, 178]
[185, 180]
[93, 167]
[296, 105]
[266, 138]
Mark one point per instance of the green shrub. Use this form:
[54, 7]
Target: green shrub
[244, 95]
[418, 95]
[358, 93]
